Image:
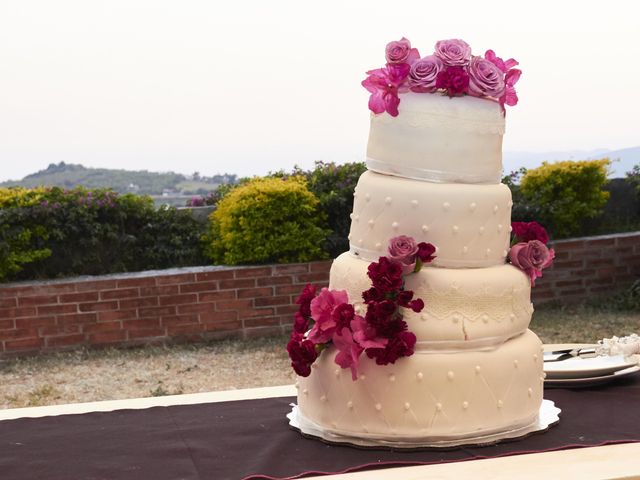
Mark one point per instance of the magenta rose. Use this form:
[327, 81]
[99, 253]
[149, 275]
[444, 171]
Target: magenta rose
[531, 257]
[404, 250]
[454, 53]
[454, 80]
[485, 78]
[423, 73]
[400, 51]
[527, 231]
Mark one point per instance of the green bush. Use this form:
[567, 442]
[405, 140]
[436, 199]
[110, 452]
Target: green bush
[267, 220]
[334, 185]
[563, 194]
[49, 233]
[633, 178]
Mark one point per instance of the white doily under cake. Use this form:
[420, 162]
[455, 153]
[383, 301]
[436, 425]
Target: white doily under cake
[549, 415]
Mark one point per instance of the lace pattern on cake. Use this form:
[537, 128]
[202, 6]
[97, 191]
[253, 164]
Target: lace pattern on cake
[453, 304]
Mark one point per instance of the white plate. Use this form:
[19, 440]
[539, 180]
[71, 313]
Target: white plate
[590, 381]
[586, 367]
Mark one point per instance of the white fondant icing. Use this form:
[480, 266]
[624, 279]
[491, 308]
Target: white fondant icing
[500, 398]
[477, 230]
[439, 139]
[488, 303]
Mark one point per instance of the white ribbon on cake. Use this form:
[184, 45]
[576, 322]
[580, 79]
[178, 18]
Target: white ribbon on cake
[435, 176]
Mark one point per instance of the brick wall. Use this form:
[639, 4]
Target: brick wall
[193, 304]
[187, 304]
[590, 267]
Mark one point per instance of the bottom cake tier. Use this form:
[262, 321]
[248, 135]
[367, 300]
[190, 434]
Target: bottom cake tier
[430, 395]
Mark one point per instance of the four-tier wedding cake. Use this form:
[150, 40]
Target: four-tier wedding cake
[445, 352]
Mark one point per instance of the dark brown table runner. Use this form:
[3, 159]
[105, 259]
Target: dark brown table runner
[234, 440]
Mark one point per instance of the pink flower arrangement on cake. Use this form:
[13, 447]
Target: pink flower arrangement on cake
[452, 70]
[529, 251]
[328, 317]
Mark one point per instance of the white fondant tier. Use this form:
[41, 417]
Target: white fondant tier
[428, 395]
[464, 308]
[469, 224]
[439, 139]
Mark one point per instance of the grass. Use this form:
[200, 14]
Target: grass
[91, 375]
[582, 324]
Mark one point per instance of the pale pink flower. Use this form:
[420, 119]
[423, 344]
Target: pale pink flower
[531, 257]
[423, 74]
[404, 250]
[454, 52]
[400, 51]
[485, 79]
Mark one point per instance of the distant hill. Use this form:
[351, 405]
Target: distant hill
[140, 181]
[622, 160]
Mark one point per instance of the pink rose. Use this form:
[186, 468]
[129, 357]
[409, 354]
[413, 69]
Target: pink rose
[454, 53]
[527, 231]
[485, 78]
[404, 250]
[423, 73]
[400, 51]
[454, 80]
[322, 308]
[531, 257]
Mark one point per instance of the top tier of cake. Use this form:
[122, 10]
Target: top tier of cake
[439, 139]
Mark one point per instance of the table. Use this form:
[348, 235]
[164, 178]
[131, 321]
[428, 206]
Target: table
[33, 442]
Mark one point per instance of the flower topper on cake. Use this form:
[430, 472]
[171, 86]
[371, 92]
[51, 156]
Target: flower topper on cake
[529, 251]
[381, 333]
[452, 70]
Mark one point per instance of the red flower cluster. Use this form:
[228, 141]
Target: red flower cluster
[527, 231]
[384, 299]
[454, 80]
[301, 351]
[383, 334]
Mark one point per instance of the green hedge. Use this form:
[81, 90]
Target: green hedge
[52, 232]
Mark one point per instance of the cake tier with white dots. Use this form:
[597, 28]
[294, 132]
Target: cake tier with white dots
[428, 395]
[469, 224]
[439, 139]
[464, 308]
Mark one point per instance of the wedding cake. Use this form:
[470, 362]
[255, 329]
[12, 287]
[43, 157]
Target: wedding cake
[459, 361]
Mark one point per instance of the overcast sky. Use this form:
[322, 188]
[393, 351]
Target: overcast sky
[251, 86]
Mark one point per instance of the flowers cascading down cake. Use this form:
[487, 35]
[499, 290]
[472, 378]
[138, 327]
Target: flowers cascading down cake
[422, 336]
